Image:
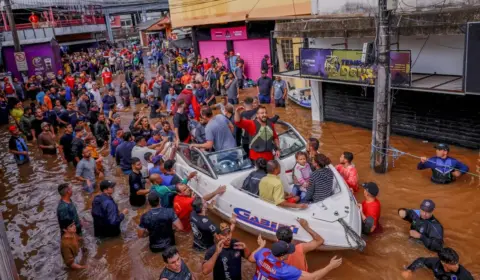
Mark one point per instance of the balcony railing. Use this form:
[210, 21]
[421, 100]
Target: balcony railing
[87, 20]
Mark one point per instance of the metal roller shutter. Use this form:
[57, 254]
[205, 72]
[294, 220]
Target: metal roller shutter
[431, 116]
[348, 104]
[215, 48]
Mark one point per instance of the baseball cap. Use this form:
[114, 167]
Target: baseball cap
[442, 146]
[105, 184]
[282, 248]
[44, 124]
[156, 159]
[427, 205]
[224, 228]
[189, 86]
[12, 128]
[371, 188]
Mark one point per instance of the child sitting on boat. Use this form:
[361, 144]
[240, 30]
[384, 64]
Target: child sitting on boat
[301, 175]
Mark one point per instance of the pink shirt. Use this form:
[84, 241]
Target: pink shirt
[350, 175]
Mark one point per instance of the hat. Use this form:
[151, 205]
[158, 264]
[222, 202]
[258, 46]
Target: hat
[157, 159]
[12, 128]
[371, 188]
[442, 146]
[44, 124]
[427, 205]
[189, 86]
[282, 248]
[224, 228]
[105, 184]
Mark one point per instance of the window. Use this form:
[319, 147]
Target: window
[194, 159]
[287, 50]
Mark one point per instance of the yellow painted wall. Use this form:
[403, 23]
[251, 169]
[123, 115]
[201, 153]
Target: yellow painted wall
[185, 13]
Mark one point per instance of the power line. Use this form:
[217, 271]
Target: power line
[248, 14]
[428, 37]
[192, 10]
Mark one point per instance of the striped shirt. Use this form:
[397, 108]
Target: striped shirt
[321, 185]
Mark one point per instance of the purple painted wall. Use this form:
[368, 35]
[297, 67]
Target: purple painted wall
[42, 59]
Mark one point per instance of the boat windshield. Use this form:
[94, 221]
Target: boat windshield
[229, 161]
[290, 141]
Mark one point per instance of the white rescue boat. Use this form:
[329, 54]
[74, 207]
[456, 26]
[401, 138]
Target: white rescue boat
[337, 219]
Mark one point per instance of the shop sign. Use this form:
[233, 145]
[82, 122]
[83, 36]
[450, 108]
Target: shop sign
[347, 65]
[229, 33]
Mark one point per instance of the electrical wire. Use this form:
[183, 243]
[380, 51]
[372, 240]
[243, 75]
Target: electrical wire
[248, 14]
[294, 11]
[428, 37]
[183, 11]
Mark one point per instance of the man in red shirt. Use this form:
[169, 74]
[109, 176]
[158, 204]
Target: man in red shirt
[107, 78]
[370, 208]
[348, 171]
[264, 138]
[182, 203]
[70, 81]
[34, 20]
[151, 83]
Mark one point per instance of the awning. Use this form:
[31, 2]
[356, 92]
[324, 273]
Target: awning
[184, 43]
[447, 84]
[28, 41]
[147, 24]
[81, 42]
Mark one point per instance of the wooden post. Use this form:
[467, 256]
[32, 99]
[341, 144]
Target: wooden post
[381, 115]
[13, 27]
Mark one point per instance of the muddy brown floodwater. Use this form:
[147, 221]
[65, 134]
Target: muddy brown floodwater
[28, 200]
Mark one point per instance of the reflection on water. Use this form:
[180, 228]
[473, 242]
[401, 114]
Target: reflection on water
[29, 199]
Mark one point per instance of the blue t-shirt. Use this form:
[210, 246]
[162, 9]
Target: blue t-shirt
[170, 134]
[40, 97]
[268, 267]
[152, 141]
[278, 89]
[168, 100]
[68, 93]
[201, 95]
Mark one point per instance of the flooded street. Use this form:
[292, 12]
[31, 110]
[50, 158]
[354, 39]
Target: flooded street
[28, 200]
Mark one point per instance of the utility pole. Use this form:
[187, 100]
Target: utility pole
[13, 27]
[381, 108]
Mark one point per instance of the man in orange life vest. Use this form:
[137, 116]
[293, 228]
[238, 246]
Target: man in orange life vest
[264, 137]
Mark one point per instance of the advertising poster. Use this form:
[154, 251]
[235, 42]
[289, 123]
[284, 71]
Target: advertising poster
[400, 69]
[229, 33]
[42, 65]
[346, 65]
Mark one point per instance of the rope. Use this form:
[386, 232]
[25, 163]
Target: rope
[396, 154]
[351, 234]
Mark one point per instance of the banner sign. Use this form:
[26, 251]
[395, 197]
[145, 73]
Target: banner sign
[21, 61]
[347, 65]
[229, 33]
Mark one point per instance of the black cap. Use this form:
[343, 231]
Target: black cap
[282, 248]
[442, 146]
[427, 205]
[371, 188]
[105, 184]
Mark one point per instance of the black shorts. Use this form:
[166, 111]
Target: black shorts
[280, 102]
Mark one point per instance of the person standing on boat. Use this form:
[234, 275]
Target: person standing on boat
[424, 226]
[264, 139]
[298, 257]
[348, 170]
[446, 266]
[445, 169]
[271, 189]
[218, 132]
[271, 263]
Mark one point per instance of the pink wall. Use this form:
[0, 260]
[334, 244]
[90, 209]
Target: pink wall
[215, 48]
[252, 51]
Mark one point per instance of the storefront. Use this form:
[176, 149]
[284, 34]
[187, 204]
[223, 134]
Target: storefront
[42, 57]
[250, 40]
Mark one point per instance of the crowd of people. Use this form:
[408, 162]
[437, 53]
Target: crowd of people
[77, 116]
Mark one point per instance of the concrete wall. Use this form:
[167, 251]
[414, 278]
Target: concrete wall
[441, 54]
